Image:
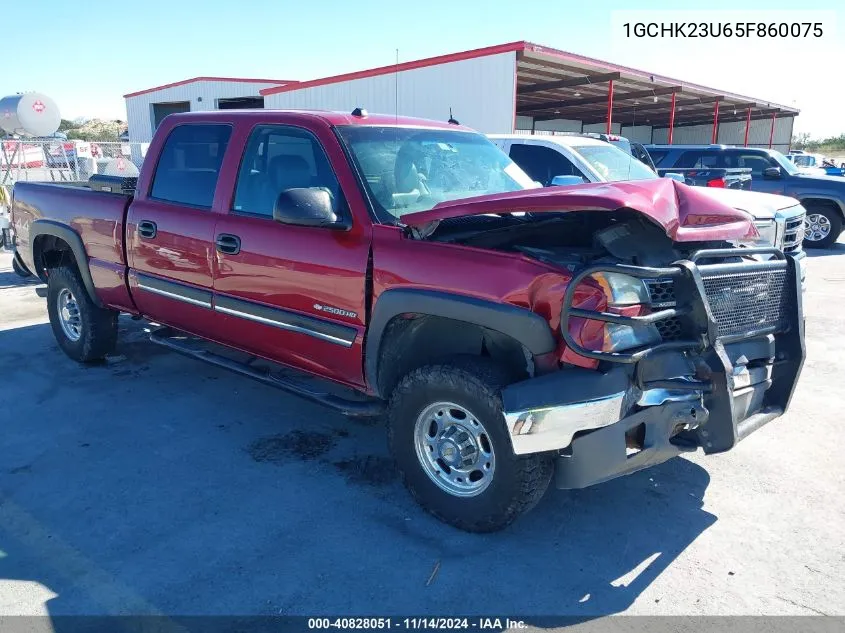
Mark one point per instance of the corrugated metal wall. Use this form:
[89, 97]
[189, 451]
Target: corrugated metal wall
[139, 109]
[479, 91]
[732, 133]
[638, 133]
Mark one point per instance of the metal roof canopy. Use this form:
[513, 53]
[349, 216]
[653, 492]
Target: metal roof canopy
[554, 84]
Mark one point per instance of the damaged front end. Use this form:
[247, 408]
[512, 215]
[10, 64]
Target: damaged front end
[726, 362]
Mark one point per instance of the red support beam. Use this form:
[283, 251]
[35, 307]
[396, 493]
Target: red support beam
[672, 118]
[715, 135]
[747, 125]
[609, 106]
[772, 132]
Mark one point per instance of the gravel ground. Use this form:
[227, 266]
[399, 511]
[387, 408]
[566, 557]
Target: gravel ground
[156, 485]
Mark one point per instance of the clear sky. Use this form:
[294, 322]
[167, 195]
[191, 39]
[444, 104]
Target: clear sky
[87, 55]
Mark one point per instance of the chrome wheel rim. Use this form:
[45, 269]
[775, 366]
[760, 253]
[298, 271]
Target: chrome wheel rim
[816, 227]
[68, 311]
[454, 449]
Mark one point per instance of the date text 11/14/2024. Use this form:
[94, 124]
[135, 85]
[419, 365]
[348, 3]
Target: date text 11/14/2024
[420, 623]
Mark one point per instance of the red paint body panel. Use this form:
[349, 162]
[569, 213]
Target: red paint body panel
[683, 212]
[297, 271]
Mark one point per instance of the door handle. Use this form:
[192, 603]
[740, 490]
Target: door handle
[228, 244]
[147, 229]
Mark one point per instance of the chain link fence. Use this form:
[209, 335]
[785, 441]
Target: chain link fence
[67, 161]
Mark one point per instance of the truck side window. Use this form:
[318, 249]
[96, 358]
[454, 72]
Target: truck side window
[756, 162]
[542, 163]
[189, 164]
[278, 158]
[697, 160]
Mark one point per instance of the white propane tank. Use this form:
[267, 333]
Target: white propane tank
[120, 166]
[30, 114]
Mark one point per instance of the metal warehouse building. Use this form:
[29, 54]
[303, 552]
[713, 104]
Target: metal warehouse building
[519, 86]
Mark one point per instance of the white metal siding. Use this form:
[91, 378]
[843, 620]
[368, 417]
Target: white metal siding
[139, 109]
[601, 128]
[637, 133]
[732, 133]
[479, 91]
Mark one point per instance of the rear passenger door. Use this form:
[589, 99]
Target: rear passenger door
[294, 294]
[170, 229]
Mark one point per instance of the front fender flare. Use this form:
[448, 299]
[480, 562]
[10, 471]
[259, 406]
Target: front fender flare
[74, 241]
[527, 327]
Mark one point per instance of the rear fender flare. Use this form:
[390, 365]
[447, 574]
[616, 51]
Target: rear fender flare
[74, 241]
[526, 327]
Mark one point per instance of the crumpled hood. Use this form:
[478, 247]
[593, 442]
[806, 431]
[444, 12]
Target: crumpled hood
[686, 214]
[763, 206]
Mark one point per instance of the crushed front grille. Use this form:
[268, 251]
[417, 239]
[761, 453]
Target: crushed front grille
[669, 329]
[748, 302]
[740, 302]
[661, 292]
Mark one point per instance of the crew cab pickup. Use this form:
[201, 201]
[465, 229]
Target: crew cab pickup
[385, 265]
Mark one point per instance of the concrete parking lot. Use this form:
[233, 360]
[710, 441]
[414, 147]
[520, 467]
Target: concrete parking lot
[154, 484]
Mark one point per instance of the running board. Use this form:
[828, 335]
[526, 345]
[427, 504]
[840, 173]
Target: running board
[365, 407]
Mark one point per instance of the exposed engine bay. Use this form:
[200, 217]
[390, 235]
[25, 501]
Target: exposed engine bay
[571, 239]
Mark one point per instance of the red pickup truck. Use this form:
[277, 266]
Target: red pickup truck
[409, 267]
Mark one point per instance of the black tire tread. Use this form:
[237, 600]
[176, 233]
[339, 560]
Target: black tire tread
[481, 378]
[99, 325]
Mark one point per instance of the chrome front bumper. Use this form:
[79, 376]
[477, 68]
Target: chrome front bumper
[552, 428]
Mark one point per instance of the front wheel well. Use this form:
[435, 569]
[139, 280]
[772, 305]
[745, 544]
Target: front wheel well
[411, 341]
[808, 203]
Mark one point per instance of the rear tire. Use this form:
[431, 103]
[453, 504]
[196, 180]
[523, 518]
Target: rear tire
[84, 331]
[462, 393]
[823, 225]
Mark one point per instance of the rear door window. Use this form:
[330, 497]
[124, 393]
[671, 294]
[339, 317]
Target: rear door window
[189, 164]
[698, 160]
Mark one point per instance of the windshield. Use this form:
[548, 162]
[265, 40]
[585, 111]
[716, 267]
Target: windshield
[411, 169]
[613, 164]
[788, 167]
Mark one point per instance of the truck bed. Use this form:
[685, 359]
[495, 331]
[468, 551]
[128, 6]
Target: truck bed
[731, 177]
[98, 217]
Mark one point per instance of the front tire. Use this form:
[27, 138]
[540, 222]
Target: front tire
[84, 331]
[20, 271]
[822, 226]
[447, 434]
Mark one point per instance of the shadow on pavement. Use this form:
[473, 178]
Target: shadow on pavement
[835, 249]
[152, 484]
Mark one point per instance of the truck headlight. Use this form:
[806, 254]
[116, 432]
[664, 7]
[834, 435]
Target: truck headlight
[768, 231]
[627, 296]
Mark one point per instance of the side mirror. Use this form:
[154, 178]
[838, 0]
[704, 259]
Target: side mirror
[306, 206]
[772, 173]
[675, 176]
[563, 181]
